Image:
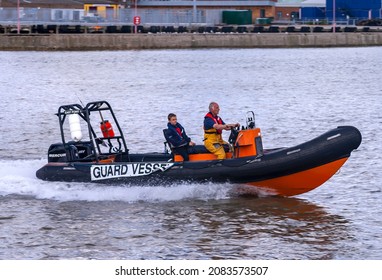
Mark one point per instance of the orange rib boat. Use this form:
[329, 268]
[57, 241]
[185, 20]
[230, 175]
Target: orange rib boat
[103, 157]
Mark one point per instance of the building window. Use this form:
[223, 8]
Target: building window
[76, 15]
[58, 14]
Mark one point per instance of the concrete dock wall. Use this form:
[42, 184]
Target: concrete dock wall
[76, 42]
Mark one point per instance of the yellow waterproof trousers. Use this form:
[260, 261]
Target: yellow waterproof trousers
[214, 143]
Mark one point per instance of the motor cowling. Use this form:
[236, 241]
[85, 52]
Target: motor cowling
[107, 129]
[57, 153]
[71, 151]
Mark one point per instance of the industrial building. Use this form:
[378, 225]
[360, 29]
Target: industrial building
[185, 12]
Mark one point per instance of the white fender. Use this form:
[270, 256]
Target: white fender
[75, 127]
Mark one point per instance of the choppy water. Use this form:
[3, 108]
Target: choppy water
[297, 94]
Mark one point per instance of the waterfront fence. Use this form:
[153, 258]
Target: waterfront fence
[182, 16]
[28, 16]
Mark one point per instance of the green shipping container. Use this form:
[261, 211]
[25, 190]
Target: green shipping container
[239, 17]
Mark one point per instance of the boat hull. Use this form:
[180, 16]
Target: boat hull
[284, 171]
[300, 182]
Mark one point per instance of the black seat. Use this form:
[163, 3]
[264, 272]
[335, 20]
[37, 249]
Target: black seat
[197, 149]
[168, 143]
[166, 136]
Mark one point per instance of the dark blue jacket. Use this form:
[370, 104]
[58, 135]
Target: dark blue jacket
[174, 138]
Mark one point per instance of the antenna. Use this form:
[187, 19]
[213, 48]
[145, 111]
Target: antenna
[79, 99]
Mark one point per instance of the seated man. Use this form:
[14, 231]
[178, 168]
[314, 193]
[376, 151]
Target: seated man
[213, 128]
[177, 137]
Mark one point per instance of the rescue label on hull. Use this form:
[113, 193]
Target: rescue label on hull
[101, 172]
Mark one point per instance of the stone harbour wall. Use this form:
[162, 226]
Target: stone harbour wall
[87, 42]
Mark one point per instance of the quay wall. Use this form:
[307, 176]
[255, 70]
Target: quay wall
[83, 42]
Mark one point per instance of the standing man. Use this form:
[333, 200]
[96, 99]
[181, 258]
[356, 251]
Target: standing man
[213, 128]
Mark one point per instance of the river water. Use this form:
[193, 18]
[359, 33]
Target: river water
[296, 94]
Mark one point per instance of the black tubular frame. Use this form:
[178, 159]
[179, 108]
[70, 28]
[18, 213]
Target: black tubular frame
[95, 142]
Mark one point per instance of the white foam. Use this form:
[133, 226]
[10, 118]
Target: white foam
[18, 177]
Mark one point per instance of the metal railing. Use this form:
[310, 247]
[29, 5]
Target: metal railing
[184, 16]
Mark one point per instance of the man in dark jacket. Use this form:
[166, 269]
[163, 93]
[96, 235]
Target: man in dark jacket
[177, 137]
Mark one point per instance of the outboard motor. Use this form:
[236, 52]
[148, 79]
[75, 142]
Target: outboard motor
[58, 153]
[71, 151]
